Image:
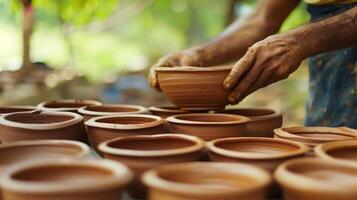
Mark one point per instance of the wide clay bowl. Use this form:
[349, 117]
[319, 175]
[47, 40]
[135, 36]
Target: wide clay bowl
[194, 88]
[262, 121]
[141, 153]
[70, 180]
[104, 128]
[207, 181]
[312, 179]
[68, 105]
[14, 109]
[266, 153]
[166, 111]
[312, 136]
[338, 151]
[111, 109]
[41, 125]
[208, 126]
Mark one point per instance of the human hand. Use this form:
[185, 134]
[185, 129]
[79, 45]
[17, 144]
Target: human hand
[266, 62]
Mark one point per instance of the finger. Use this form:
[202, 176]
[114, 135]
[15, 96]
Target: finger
[152, 77]
[239, 69]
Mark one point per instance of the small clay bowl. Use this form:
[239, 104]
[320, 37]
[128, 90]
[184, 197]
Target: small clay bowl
[41, 125]
[166, 111]
[262, 121]
[111, 109]
[345, 150]
[207, 181]
[70, 180]
[14, 109]
[208, 126]
[313, 136]
[144, 152]
[195, 88]
[311, 179]
[104, 128]
[68, 105]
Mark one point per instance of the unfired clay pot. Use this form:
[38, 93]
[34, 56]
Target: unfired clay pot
[166, 111]
[345, 150]
[207, 181]
[14, 109]
[141, 153]
[41, 125]
[66, 180]
[69, 105]
[262, 121]
[104, 128]
[194, 88]
[111, 109]
[317, 179]
[208, 126]
[312, 136]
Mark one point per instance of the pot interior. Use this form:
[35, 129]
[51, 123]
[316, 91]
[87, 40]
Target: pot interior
[111, 109]
[249, 112]
[66, 104]
[323, 135]
[346, 153]
[208, 118]
[5, 110]
[126, 120]
[38, 118]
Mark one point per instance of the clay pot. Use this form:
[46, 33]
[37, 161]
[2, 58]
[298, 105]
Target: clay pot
[104, 128]
[194, 88]
[68, 105]
[144, 152]
[14, 109]
[70, 180]
[345, 150]
[311, 179]
[207, 181]
[208, 126]
[312, 136]
[111, 109]
[41, 125]
[262, 121]
[166, 111]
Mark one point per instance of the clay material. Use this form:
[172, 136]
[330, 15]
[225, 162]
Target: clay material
[69, 180]
[312, 136]
[312, 179]
[262, 121]
[207, 181]
[41, 125]
[141, 153]
[166, 111]
[208, 126]
[68, 105]
[14, 109]
[345, 150]
[104, 128]
[111, 109]
[194, 88]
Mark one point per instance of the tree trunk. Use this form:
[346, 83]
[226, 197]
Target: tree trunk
[27, 28]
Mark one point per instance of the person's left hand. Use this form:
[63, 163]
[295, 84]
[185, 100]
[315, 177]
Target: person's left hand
[266, 62]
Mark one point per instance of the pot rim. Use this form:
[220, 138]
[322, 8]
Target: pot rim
[193, 69]
[212, 146]
[158, 121]
[289, 179]
[85, 111]
[152, 179]
[275, 114]
[239, 119]
[165, 109]
[76, 118]
[42, 106]
[121, 175]
[290, 133]
[322, 150]
[30, 108]
[198, 145]
[85, 150]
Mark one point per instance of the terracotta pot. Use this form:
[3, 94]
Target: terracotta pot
[104, 128]
[194, 88]
[207, 181]
[68, 105]
[262, 121]
[41, 125]
[208, 126]
[70, 180]
[345, 150]
[311, 179]
[145, 152]
[14, 109]
[312, 136]
[111, 109]
[166, 111]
